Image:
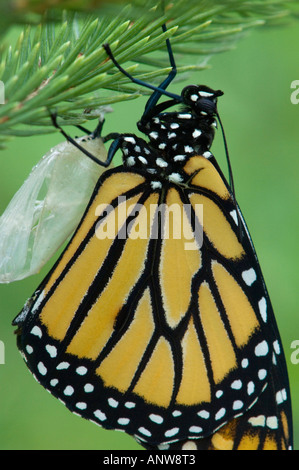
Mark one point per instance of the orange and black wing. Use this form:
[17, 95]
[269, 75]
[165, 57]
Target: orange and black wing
[156, 320]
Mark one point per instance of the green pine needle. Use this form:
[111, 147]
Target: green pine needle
[61, 65]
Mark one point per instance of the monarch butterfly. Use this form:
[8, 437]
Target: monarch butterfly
[168, 337]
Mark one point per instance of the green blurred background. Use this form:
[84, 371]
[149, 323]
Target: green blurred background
[261, 126]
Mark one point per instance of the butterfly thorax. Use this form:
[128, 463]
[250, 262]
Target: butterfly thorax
[174, 137]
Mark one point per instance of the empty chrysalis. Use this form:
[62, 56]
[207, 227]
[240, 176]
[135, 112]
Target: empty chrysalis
[48, 207]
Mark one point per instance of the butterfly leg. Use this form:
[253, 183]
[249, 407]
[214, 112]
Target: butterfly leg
[158, 90]
[154, 98]
[95, 133]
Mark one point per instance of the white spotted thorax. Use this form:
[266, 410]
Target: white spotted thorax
[174, 137]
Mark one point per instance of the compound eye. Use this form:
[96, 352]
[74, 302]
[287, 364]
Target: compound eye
[206, 105]
[201, 99]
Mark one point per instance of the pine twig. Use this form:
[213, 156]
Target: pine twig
[60, 64]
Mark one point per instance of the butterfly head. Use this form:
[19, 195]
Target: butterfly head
[201, 99]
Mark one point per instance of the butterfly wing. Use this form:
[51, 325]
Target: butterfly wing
[166, 330]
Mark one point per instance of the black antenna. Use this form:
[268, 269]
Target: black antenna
[231, 179]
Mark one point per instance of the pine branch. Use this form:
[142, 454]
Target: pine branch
[60, 63]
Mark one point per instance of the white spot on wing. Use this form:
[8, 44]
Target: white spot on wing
[175, 178]
[250, 388]
[68, 391]
[51, 350]
[123, 421]
[276, 347]
[237, 384]
[38, 301]
[42, 368]
[81, 405]
[234, 216]
[36, 331]
[195, 429]
[161, 163]
[262, 374]
[156, 185]
[244, 363]
[29, 349]
[130, 404]
[257, 420]
[113, 403]
[144, 431]
[63, 365]
[156, 418]
[81, 370]
[272, 422]
[220, 414]
[249, 276]
[237, 405]
[263, 308]
[171, 432]
[203, 414]
[100, 415]
[262, 349]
